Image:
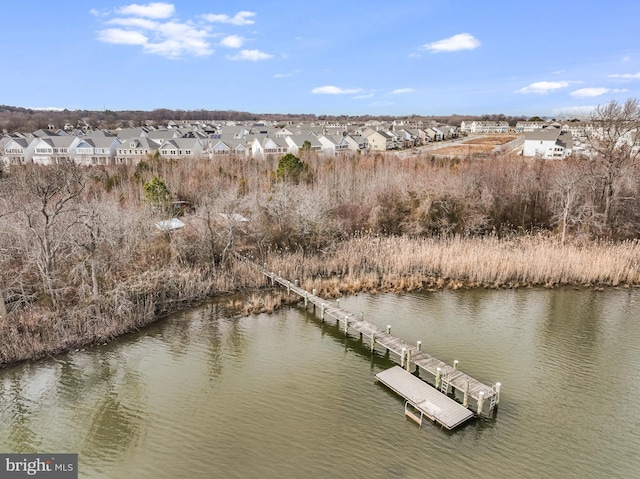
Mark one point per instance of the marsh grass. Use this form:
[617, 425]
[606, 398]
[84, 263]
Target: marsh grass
[369, 264]
[401, 264]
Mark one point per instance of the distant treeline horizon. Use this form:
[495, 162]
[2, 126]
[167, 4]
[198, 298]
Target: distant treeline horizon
[14, 118]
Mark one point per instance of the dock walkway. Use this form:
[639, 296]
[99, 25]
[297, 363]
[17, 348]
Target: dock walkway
[446, 375]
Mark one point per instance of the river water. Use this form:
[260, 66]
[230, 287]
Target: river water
[204, 395]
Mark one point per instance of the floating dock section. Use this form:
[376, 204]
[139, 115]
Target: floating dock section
[423, 399]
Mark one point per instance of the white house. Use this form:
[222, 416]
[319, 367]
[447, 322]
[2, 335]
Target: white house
[263, 146]
[333, 145]
[296, 142]
[550, 144]
[18, 151]
[53, 149]
[95, 150]
[228, 147]
[484, 126]
[183, 148]
[133, 150]
[357, 143]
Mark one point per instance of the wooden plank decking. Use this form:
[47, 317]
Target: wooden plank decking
[431, 402]
[454, 378]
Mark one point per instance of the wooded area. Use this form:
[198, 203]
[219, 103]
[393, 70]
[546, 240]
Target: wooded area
[82, 260]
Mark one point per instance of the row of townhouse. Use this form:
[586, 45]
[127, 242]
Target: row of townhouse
[576, 128]
[476, 126]
[260, 139]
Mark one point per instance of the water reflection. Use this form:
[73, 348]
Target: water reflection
[287, 395]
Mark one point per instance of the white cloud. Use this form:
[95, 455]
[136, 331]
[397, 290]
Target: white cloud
[155, 28]
[240, 18]
[542, 87]
[169, 39]
[124, 37]
[150, 10]
[48, 108]
[575, 110]
[97, 13]
[626, 76]
[287, 75]
[334, 90]
[135, 22]
[595, 91]
[461, 41]
[399, 91]
[251, 55]
[232, 41]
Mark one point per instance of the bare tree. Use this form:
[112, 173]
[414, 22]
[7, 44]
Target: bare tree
[47, 203]
[614, 143]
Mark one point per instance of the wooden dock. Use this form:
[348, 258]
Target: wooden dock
[425, 400]
[448, 379]
[446, 376]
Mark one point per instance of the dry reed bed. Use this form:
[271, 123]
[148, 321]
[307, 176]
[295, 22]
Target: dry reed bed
[372, 264]
[131, 305]
[402, 263]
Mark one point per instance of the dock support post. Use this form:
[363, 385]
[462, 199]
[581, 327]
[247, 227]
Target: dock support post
[404, 353]
[346, 324]
[498, 393]
[373, 341]
[288, 287]
[480, 402]
[273, 281]
[388, 329]
[338, 302]
[419, 345]
[306, 300]
[465, 402]
[322, 311]
[438, 377]
[455, 364]
[409, 360]
[314, 303]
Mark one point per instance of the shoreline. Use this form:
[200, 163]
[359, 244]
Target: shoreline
[362, 265]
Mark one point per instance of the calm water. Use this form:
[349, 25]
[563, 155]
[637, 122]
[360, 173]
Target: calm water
[201, 395]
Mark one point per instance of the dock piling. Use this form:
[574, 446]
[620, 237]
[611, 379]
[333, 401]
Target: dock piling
[419, 345]
[498, 393]
[455, 364]
[465, 402]
[480, 402]
[373, 341]
[438, 377]
[409, 359]
[402, 356]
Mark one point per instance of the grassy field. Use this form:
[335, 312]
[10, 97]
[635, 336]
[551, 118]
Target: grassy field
[483, 145]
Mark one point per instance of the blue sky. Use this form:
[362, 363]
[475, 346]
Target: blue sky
[331, 57]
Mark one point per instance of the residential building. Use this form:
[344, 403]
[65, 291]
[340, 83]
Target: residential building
[550, 144]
